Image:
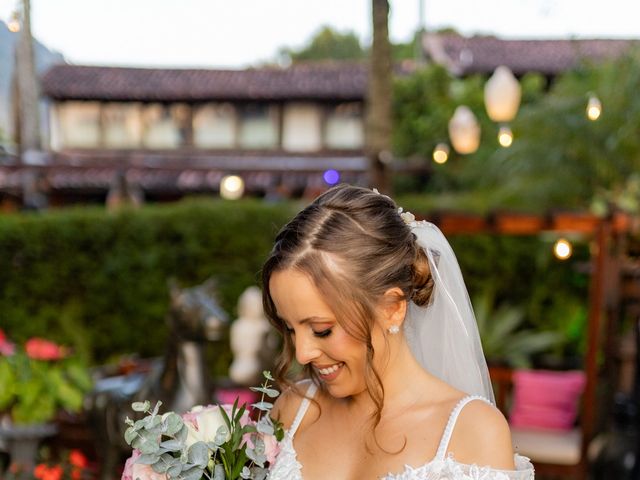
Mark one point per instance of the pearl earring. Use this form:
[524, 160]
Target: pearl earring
[393, 329]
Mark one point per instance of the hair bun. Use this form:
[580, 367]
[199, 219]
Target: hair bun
[422, 279]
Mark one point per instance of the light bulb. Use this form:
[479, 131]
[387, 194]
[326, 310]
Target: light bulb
[505, 137]
[594, 108]
[562, 249]
[231, 187]
[441, 153]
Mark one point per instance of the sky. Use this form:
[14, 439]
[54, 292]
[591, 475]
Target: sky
[240, 33]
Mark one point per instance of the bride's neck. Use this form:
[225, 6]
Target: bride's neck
[394, 374]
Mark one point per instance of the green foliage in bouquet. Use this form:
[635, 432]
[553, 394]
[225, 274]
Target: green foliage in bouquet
[217, 442]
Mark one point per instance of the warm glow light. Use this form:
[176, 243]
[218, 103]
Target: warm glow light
[502, 95]
[464, 131]
[231, 187]
[505, 137]
[562, 249]
[14, 22]
[594, 108]
[441, 153]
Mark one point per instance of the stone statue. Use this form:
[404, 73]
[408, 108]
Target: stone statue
[253, 340]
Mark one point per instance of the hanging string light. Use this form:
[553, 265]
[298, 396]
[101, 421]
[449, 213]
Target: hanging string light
[231, 187]
[505, 136]
[441, 153]
[562, 249]
[594, 108]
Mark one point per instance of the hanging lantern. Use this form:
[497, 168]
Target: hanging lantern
[505, 136]
[594, 108]
[502, 95]
[441, 153]
[231, 187]
[464, 131]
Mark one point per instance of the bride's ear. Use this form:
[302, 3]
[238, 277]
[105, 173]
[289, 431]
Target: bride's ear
[393, 307]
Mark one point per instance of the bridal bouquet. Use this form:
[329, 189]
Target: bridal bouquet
[217, 442]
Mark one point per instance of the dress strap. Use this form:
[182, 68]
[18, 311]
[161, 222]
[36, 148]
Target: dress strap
[448, 430]
[302, 410]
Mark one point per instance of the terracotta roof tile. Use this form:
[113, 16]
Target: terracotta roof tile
[466, 55]
[319, 81]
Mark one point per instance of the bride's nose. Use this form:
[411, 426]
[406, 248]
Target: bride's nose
[306, 349]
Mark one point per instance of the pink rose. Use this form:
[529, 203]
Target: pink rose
[41, 349]
[127, 473]
[135, 471]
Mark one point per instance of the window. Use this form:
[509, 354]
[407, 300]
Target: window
[344, 128]
[165, 126]
[122, 125]
[301, 127]
[214, 126]
[79, 124]
[259, 126]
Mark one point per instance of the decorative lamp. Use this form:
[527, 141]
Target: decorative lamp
[231, 187]
[464, 131]
[594, 108]
[441, 153]
[502, 95]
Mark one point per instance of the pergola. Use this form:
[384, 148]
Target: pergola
[607, 237]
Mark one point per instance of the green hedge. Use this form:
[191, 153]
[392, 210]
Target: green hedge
[98, 281]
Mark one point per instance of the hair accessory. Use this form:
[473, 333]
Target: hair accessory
[393, 329]
[407, 217]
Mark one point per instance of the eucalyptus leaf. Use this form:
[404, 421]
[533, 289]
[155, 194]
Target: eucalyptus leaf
[148, 459]
[172, 423]
[129, 434]
[172, 445]
[267, 374]
[194, 473]
[271, 392]
[264, 406]
[141, 406]
[198, 454]
[174, 470]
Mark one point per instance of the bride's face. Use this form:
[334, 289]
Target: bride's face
[338, 358]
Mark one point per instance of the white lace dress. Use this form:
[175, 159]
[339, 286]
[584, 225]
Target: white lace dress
[442, 467]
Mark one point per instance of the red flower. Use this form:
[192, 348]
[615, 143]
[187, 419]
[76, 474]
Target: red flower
[41, 349]
[77, 459]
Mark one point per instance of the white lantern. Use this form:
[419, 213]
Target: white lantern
[464, 131]
[502, 95]
[562, 249]
[231, 187]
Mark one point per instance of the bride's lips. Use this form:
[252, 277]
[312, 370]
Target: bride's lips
[329, 372]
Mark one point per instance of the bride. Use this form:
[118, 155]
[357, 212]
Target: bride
[372, 305]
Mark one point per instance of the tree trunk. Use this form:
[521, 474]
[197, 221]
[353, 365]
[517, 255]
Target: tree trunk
[28, 113]
[378, 115]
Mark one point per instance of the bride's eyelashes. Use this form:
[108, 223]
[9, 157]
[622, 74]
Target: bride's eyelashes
[323, 333]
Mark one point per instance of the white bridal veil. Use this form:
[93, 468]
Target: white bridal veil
[444, 336]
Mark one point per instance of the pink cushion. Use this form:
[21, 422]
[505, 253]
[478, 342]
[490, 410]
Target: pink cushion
[546, 399]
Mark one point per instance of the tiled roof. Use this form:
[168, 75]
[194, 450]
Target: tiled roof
[466, 55]
[317, 81]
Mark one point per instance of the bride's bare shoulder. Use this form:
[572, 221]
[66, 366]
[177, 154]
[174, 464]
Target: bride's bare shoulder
[288, 402]
[481, 436]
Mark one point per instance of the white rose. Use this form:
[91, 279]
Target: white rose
[203, 424]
